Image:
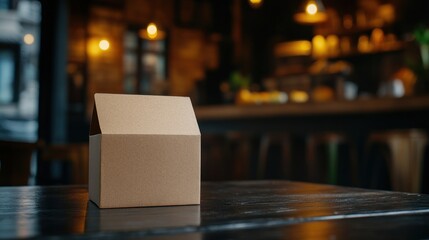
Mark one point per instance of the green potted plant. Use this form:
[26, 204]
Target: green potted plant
[421, 35]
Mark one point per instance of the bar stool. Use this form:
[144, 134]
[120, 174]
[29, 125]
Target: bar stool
[227, 157]
[325, 166]
[239, 153]
[74, 154]
[405, 157]
[213, 157]
[268, 141]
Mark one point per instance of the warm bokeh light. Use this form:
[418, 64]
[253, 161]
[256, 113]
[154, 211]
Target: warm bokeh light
[92, 47]
[28, 39]
[333, 44]
[299, 96]
[320, 48]
[377, 38]
[255, 3]
[363, 44]
[293, 48]
[323, 94]
[152, 30]
[311, 8]
[104, 44]
[348, 22]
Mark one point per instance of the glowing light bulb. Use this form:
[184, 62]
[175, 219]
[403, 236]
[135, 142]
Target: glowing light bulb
[104, 45]
[312, 13]
[28, 39]
[255, 3]
[311, 8]
[152, 30]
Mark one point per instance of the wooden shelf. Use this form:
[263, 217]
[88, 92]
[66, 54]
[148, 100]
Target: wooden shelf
[356, 54]
[354, 31]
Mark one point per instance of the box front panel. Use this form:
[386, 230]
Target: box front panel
[150, 170]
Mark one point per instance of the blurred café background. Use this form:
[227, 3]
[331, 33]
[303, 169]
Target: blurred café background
[324, 91]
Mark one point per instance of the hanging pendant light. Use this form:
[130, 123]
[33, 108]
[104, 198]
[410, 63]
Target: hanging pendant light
[255, 3]
[104, 45]
[152, 32]
[311, 12]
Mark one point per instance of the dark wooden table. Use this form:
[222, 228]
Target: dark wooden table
[228, 210]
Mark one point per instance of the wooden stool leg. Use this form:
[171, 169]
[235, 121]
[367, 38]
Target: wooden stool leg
[332, 162]
[286, 157]
[262, 160]
[311, 159]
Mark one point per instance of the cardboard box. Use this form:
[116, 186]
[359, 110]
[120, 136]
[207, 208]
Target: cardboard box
[144, 151]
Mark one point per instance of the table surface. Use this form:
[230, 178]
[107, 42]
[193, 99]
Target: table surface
[228, 210]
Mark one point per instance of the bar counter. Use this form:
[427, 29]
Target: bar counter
[367, 114]
[228, 210]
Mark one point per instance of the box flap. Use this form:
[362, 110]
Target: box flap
[95, 125]
[140, 114]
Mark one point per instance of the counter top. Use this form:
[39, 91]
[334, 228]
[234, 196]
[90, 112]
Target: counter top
[376, 105]
[242, 210]
[362, 116]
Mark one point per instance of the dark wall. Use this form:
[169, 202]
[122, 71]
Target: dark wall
[52, 72]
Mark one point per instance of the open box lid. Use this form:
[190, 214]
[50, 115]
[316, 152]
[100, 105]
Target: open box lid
[140, 114]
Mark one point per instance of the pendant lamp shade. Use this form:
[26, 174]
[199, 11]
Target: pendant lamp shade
[311, 12]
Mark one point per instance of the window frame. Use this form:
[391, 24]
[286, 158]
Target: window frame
[139, 52]
[16, 50]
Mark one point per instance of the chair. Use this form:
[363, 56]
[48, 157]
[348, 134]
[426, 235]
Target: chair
[213, 158]
[239, 152]
[227, 157]
[267, 144]
[15, 161]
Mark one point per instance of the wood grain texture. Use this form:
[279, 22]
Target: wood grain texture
[232, 210]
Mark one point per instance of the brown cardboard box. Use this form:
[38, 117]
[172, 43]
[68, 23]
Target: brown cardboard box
[144, 151]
